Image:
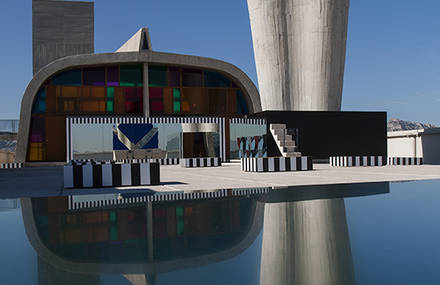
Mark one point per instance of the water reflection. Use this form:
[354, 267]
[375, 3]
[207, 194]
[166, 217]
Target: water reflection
[304, 239]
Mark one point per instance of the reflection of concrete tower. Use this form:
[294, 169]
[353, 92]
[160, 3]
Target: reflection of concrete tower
[306, 243]
[299, 50]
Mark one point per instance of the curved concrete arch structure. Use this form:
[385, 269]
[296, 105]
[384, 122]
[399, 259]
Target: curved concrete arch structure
[242, 80]
[249, 235]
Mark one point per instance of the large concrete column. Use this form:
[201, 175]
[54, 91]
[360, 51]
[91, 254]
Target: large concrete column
[306, 242]
[299, 48]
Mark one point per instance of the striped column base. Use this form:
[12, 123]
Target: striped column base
[353, 161]
[111, 175]
[200, 162]
[161, 161]
[276, 164]
[11, 165]
[405, 161]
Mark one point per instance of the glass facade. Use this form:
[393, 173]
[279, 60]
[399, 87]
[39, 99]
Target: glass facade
[117, 90]
[175, 90]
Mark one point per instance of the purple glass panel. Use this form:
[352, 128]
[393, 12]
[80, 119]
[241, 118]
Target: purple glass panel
[94, 76]
[174, 77]
[112, 76]
[192, 78]
[37, 129]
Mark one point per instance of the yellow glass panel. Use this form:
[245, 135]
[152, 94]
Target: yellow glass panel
[194, 101]
[93, 106]
[36, 152]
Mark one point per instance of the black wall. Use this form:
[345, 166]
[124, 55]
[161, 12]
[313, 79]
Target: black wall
[325, 134]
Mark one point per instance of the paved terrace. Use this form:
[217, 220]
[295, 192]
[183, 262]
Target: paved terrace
[229, 176]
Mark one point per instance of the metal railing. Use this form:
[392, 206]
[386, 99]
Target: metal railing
[9, 126]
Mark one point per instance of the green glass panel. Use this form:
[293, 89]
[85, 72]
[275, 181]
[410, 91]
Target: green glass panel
[131, 75]
[179, 211]
[110, 106]
[157, 76]
[176, 100]
[114, 233]
[180, 227]
[71, 77]
[110, 92]
[112, 216]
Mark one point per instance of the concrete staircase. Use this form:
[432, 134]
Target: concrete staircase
[284, 140]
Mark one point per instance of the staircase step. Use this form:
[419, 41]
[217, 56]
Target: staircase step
[292, 154]
[277, 126]
[281, 138]
[288, 143]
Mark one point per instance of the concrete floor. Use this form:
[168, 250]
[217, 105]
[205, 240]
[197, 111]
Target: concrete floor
[27, 182]
[229, 176]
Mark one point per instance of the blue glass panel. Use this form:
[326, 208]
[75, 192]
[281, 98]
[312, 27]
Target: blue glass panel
[214, 79]
[71, 77]
[40, 102]
[241, 104]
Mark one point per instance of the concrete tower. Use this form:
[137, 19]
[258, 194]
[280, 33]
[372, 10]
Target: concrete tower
[60, 29]
[299, 48]
[306, 242]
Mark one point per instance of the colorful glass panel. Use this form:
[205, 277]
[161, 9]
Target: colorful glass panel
[113, 76]
[174, 77]
[131, 75]
[156, 100]
[40, 102]
[70, 77]
[191, 78]
[157, 76]
[94, 76]
[176, 100]
[214, 79]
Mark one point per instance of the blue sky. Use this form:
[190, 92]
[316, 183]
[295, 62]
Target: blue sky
[393, 49]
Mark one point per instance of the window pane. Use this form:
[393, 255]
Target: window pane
[51, 101]
[131, 75]
[231, 101]
[40, 102]
[174, 77]
[110, 107]
[119, 101]
[194, 100]
[36, 152]
[241, 104]
[110, 92]
[133, 100]
[71, 77]
[214, 79]
[93, 106]
[168, 100]
[37, 129]
[217, 101]
[176, 100]
[156, 100]
[157, 76]
[192, 78]
[113, 76]
[69, 92]
[94, 76]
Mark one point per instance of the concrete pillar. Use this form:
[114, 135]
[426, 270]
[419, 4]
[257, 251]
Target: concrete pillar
[146, 92]
[306, 243]
[299, 48]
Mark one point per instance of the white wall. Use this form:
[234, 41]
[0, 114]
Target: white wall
[405, 147]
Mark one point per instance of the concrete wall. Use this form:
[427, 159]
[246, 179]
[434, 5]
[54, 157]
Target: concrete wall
[299, 48]
[59, 29]
[415, 143]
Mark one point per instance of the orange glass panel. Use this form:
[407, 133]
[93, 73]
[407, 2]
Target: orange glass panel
[194, 101]
[66, 105]
[231, 101]
[51, 103]
[119, 107]
[168, 100]
[68, 91]
[98, 92]
[217, 101]
[56, 138]
[93, 106]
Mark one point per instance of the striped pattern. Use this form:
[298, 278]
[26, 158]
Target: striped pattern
[276, 164]
[405, 161]
[248, 121]
[76, 204]
[111, 175]
[200, 162]
[11, 165]
[145, 120]
[161, 161]
[354, 161]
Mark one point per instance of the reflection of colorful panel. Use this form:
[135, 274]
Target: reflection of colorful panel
[134, 136]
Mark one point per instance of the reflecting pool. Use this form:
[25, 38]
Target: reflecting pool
[375, 233]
